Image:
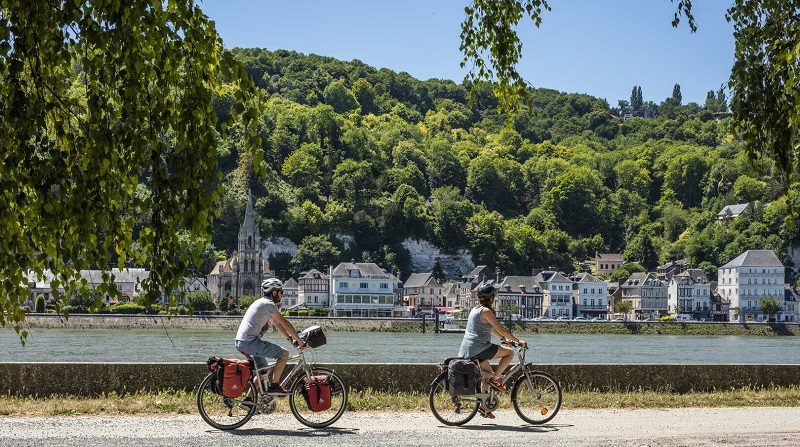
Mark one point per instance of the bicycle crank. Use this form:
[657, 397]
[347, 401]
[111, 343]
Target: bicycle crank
[266, 404]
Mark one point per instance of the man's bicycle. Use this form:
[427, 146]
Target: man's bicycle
[228, 413]
[535, 395]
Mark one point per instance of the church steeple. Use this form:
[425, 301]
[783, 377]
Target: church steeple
[249, 237]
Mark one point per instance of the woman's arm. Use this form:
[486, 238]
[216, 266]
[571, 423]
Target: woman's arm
[497, 328]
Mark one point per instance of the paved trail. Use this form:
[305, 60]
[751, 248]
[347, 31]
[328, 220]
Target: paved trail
[571, 428]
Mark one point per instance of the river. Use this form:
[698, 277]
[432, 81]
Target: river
[157, 345]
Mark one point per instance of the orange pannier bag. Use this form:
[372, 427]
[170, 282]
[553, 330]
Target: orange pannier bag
[235, 374]
[318, 392]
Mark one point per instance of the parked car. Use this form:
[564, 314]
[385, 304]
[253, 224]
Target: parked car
[581, 319]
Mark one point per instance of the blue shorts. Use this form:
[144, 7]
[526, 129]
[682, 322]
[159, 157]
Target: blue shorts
[259, 349]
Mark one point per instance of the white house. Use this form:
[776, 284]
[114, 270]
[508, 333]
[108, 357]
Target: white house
[519, 295]
[557, 294]
[290, 294]
[314, 289]
[689, 292]
[591, 295]
[748, 279]
[362, 290]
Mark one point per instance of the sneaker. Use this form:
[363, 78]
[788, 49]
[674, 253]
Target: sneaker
[277, 390]
[497, 383]
[246, 403]
[488, 415]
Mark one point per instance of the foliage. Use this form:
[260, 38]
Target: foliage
[127, 308]
[99, 98]
[626, 271]
[201, 301]
[770, 306]
[246, 300]
[83, 301]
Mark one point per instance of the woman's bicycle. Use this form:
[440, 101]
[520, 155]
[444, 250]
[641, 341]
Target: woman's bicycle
[228, 413]
[535, 395]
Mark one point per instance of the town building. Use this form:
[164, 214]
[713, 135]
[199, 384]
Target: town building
[128, 282]
[750, 278]
[363, 290]
[606, 263]
[556, 294]
[242, 274]
[646, 294]
[733, 211]
[591, 296]
[422, 292]
[314, 290]
[519, 297]
[689, 292]
[666, 271]
[290, 294]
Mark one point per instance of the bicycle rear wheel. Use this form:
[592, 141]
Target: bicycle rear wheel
[224, 413]
[448, 409]
[536, 397]
[318, 419]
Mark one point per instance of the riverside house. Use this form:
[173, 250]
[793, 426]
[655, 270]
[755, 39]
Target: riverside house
[591, 296]
[647, 295]
[313, 290]
[689, 292]
[750, 278]
[362, 290]
[556, 294]
[422, 292]
[519, 296]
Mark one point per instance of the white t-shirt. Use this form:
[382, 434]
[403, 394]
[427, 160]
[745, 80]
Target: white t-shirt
[257, 316]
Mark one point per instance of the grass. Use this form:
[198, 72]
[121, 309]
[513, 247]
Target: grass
[181, 402]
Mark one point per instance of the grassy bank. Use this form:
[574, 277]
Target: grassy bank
[183, 402]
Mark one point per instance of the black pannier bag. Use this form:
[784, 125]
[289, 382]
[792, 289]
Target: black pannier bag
[462, 377]
[313, 336]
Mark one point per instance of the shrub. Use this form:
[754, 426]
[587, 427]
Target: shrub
[201, 301]
[127, 308]
[246, 300]
[40, 304]
[302, 313]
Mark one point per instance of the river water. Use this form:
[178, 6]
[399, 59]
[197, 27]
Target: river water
[156, 345]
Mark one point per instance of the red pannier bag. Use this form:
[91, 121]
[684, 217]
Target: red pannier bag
[318, 392]
[235, 374]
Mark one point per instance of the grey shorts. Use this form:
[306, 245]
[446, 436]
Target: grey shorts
[260, 349]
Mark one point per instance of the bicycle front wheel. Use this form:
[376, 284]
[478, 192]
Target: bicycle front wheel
[449, 409]
[536, 397]
[301, 408]
[225, 413]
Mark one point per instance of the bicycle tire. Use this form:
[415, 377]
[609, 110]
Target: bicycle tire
[318, 419]
[212, 406]
[447, 408]
[536, 397]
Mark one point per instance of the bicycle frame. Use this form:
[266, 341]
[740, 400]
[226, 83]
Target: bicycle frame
[492, 394]
[261, 373]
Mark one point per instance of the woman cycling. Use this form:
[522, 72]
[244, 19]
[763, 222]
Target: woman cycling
[481, 325]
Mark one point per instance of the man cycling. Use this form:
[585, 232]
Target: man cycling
[263, 312]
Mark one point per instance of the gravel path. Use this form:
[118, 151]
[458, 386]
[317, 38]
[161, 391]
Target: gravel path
[571, 428]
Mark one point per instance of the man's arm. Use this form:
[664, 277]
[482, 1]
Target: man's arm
[286, 328]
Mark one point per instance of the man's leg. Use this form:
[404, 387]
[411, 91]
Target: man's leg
[280, 364]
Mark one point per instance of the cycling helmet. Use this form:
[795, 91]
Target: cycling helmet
[268, 285]
[485, 289]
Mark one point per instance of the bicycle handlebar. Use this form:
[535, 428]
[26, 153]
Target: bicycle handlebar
[512, 343]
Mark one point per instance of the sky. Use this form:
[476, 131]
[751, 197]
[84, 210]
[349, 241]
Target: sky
[602, 48]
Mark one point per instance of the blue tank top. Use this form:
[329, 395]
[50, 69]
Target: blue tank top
[477, 336]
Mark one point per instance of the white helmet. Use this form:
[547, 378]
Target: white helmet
[268, 285]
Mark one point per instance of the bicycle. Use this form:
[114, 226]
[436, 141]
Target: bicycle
[227, 413]
[535, 395]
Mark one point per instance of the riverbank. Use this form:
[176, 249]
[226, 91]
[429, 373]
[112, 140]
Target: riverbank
[231, 323]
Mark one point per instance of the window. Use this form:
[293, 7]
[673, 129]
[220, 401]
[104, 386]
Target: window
[431, 292]
[363, 285]
[384, 285]
[343, 285]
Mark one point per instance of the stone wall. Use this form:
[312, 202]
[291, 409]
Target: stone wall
[90, 379]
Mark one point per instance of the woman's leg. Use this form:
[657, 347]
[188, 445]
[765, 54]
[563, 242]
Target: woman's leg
[505, 355]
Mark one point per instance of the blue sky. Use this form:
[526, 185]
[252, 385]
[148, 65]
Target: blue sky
[602, 48]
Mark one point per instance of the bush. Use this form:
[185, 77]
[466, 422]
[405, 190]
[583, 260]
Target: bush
[201, 301]
[321, 312]
[246, 300]
[40, 304]
[667, 318]
[127, 308]
[302, 313]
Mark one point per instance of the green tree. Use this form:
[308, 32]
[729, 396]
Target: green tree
[450, 213]
[574, 200]
[97, 98]
[443, 166]
[40, 304]
[636, 99]
[317, 252]
[84, 300]
[627, 269]
[486, 237]
[748, 189]
[676, 94]
[770, 306]
[365, 95]
[623, 307]
[640, 249]
[339, 97]
[201, 301]
[684, 177]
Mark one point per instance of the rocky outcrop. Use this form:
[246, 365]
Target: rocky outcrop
[424, 256]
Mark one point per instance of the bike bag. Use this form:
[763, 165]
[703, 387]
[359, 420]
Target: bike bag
[462, 377]
[317, 392]
[231, 376]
